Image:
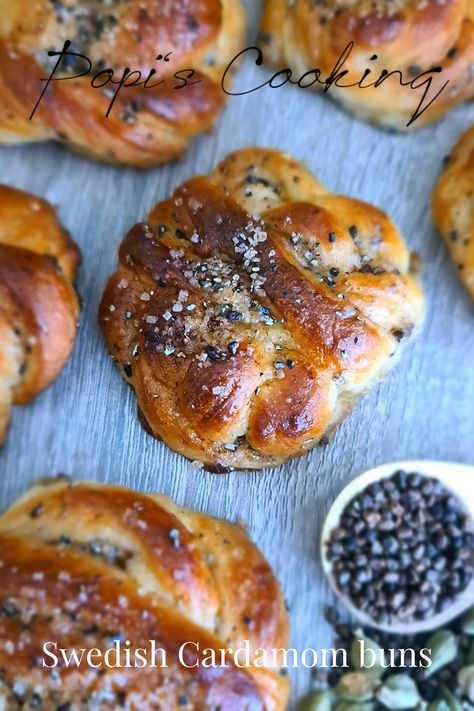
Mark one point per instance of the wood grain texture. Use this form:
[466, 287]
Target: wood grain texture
[86, 424]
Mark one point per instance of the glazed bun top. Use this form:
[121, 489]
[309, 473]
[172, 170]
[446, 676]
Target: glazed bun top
[254, 307]
[85, 565]
[407, 36]
[453, 207]
[146, 126]
[39, 308]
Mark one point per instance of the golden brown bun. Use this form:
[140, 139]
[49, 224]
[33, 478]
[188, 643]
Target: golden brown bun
[86, 564]
[407, 35]
[453, 207]
[254, 307]
[38, 305]
[146, 126]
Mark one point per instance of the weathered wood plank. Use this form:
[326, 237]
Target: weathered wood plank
[86, 425]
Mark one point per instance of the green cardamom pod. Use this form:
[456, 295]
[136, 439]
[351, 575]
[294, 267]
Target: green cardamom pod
[467, 622]
[355, 686]
[444, 648]
[470, 655]
[466, 681]
[315, 701]
[399, 692]
[438, 705]
[367, 656]
[350, 706]
[453, 703]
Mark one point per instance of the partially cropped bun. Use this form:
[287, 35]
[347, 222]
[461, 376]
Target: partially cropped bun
[453, 207]
[39, 308]
[408, 36]
[83, 565]
[146, 126]
[253, 308]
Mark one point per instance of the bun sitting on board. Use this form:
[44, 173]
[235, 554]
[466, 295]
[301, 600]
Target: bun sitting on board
[254, 307]
[39, 308]
[401, 44]
[453, 207]
[84, 565]
[175, 53]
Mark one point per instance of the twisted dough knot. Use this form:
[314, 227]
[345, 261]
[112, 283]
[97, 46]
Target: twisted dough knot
[408, 36]
[84, 565]
[254, 307]
[453, 207]
[146, 126]
[38, 305]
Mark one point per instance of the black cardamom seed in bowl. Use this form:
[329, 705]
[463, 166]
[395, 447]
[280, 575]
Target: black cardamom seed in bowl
[398, 545]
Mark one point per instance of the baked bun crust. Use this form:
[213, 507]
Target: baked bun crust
[254, 307]
[407, 35]
[38, 305]
[86, 564]
[147, 126]
[453, 207]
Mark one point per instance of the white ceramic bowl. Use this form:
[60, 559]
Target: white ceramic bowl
[457, 478]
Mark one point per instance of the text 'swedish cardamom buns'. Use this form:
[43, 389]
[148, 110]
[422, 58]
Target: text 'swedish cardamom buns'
[453, 207]
[146, 126]
[39, 308]
[85, 565]
[407, 36]
[253, 308]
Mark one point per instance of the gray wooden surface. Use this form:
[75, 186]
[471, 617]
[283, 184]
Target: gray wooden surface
[86, 425]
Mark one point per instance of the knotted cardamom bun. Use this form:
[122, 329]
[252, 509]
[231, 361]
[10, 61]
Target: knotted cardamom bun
[38, 305]
[407, 36]
[146, 126]
[254, 307]
[453, 207]
[83, 565]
